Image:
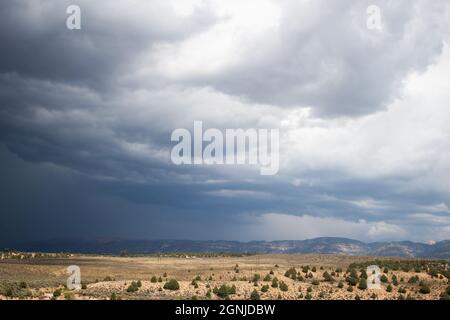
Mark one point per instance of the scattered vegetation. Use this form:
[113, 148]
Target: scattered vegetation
[172, 284]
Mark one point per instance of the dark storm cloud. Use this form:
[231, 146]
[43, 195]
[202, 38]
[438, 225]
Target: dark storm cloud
[86, 130]
[323, 56]
[37, 43]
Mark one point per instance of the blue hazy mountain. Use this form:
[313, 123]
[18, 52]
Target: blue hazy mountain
[340, 246]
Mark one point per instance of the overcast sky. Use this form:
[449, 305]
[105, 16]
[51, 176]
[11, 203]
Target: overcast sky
[86, 117]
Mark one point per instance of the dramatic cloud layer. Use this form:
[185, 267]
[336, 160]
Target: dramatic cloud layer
[86, 117]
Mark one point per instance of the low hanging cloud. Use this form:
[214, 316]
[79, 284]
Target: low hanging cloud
[278, 226]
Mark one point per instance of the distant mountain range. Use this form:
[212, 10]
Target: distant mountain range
[340, 246]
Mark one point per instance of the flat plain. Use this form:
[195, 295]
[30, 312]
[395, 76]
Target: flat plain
[191, 276]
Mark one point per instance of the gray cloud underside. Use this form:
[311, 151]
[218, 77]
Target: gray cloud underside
[91, 113]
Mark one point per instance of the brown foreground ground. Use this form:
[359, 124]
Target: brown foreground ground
[34, 276]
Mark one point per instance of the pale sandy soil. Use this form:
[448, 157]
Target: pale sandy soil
[43, 276]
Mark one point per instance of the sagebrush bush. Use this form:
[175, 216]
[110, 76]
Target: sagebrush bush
[172, 284]
[224, 291]
[275, 283]
[424, 289]
[255, 295]
[133, 287]
[291, 273]
[362, 284]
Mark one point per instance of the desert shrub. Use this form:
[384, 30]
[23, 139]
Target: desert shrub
[283, 286]
[315, 282]
[394, 280]
[308, 296]
[153, 279]
[362, 284]
[193, 282]
[300, 278]
[353, 273]
[172, 284]
[424, 289]
[198, 278]
[448, 290]
[401, 297]
[389, 288]
[9, 292]
[351, 281]
[255, 295]
[139, 283]
[107, 278]
[56, 293]
[341, 284]
[267, 278]
[357, 297]
[401, 290]
[256, 277]
[363, 274]
[309, 289]
[383, 278]
[271, 272]
[23, 285]
[350, 288]
[14, 290]
[69, 296]
[305, 269]
[314, 269]
[413, 279]
[83, 286]
[327, 277]
[433, 273]
[133, 287]
[265, 288]
[275, 283]
[113, 296]
[159, 279]
[165, 275]
[385, 270]
[224, 291]
[208, 294]
[291, 273]
[233, 289]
